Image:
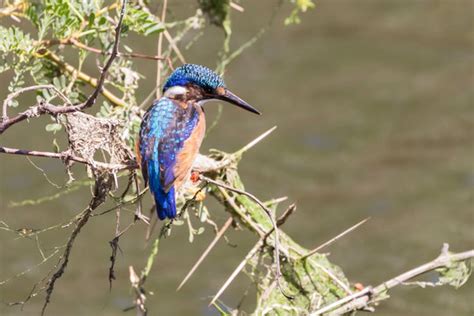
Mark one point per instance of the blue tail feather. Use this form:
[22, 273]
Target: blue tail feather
[165, 203]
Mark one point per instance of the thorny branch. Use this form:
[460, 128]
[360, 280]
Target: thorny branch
[274, 224]
[365, 297]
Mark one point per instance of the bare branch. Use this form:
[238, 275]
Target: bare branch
[65, 156]
[76, 43]
[15, 94]
[361, 299]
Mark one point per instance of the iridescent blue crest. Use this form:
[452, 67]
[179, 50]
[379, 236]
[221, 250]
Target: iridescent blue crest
[196, 74]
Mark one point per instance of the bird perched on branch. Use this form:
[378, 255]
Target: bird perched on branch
[173, 128]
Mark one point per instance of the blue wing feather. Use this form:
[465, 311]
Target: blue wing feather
[165, 128]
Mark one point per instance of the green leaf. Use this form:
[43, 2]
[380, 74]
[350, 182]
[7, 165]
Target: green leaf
[53, 127]
[141, 22]
[456, 274]
[200, 230]
[178, 222]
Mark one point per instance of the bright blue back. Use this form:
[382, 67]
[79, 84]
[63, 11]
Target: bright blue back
[165, 128]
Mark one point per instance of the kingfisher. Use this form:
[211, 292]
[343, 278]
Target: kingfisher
[173, 128]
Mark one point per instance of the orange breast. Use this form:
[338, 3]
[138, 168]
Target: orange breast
[185, 158]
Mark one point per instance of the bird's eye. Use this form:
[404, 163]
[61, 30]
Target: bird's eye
[220, 91]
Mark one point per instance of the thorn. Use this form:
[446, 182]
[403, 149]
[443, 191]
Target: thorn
[255, 141]
[206, 252]
[236, 271]
[330, 241]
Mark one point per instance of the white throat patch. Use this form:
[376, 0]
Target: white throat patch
[175, 91]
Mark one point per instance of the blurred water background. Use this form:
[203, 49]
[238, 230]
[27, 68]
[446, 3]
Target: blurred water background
[374, 106]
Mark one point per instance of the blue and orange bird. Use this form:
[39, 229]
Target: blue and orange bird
[173, 128]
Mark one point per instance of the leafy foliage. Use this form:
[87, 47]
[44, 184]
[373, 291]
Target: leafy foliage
[301, 6]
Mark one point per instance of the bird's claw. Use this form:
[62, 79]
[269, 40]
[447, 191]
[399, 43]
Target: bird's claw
[195, 176]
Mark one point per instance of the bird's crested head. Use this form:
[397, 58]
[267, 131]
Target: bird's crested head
[194, 74]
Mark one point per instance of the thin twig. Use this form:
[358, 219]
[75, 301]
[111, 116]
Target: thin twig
[65, 156]
[65, 258]
[168, 36]
[15, 94]
[76, 43]
[43, 107]
[159, 51]
[83, 77]
[118, 29]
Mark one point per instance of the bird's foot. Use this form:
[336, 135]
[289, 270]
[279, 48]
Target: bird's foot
[195, 176]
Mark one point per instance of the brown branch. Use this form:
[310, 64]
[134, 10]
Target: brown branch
[84, 77]
[360, 300]
[65, 258]
[76, 43]
[15, 94]
[35, 111]
[101, 188]
[66, 156]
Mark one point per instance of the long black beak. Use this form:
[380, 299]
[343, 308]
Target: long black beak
[232, 98]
